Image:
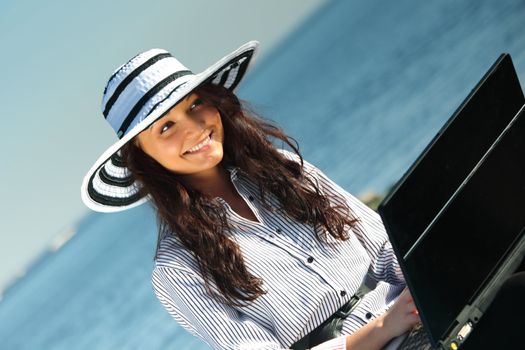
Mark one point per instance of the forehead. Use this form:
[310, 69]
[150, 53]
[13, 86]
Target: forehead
[179, 107]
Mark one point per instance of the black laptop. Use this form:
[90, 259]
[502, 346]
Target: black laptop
[456, 218]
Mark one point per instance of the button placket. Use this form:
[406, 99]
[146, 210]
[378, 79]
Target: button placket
[275, 233]
[250, 201]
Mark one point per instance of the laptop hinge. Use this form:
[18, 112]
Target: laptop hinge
[466, 321]
[471, 314]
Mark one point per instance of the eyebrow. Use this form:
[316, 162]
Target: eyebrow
[185, 99]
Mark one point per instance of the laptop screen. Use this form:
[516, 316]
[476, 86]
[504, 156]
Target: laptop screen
[473, 233]
[437, 269]
[452, 154]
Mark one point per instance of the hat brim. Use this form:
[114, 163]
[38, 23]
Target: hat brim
[127, 197]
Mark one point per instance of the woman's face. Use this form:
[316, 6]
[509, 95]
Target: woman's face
[188, 139]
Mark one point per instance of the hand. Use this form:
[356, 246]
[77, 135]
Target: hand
[402, 316]
[397, 320]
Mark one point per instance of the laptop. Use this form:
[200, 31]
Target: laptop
[441, 216]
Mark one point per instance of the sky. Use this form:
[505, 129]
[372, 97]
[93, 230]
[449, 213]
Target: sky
[56, 58]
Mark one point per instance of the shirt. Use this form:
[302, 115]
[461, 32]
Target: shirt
[306, 279]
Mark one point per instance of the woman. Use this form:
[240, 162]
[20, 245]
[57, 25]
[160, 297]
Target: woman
[257, 248]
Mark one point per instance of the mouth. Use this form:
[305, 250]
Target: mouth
[202, 145]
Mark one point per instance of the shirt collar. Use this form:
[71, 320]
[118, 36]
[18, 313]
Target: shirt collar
[233, 171]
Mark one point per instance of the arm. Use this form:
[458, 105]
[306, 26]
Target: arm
[369, 229]
[371, 233]
[183, 295]
[400, 318]
[375, 335]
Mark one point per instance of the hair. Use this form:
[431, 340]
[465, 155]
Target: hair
[201, 223]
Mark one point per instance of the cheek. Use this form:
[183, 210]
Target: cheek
[169, 149]
[220, 131]
[166, 150]
[220, 127]
[213, 115]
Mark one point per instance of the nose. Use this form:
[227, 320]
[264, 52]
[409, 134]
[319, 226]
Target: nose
[192, 124]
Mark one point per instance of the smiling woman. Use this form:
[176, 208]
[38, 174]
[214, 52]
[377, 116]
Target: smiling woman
[257, 248]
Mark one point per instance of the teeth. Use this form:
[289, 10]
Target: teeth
[200, 145]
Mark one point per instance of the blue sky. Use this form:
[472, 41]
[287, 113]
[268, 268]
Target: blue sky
[56, 58]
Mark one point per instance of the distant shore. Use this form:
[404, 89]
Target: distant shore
[372, 199]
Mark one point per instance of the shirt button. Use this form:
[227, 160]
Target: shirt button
[310, 259]
[342, 293]
[251, 198]
[278, 230]
[368, 315]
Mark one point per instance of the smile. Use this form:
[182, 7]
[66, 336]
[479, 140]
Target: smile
[200, 146]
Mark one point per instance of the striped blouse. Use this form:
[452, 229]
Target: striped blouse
[306, 279]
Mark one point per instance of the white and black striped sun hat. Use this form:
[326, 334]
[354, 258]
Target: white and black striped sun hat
[138, 93]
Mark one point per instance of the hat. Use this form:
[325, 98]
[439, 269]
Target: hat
[136, 95]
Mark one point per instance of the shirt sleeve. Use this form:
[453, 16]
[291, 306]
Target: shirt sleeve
[369, 229]
[183, 295]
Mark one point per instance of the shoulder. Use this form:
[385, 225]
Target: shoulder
[308, 168]
[288, 154]
[171, 253]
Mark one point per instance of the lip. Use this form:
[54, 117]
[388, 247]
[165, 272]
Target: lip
[209, 135]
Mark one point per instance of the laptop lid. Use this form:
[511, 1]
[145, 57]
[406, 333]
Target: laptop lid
[452, 154]
[471, 237]
[446, 162]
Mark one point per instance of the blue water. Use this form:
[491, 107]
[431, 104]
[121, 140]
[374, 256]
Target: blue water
[363, 86]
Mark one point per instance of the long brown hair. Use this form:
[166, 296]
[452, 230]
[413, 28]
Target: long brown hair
[202, 224]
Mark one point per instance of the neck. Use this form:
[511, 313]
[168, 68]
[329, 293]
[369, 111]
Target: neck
[214, 182]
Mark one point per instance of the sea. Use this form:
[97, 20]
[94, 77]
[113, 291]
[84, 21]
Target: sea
[363, 86]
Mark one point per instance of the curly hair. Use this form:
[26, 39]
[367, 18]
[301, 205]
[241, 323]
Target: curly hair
[202, 224]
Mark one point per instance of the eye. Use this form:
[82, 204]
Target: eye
[166, 126]
[196, 103]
